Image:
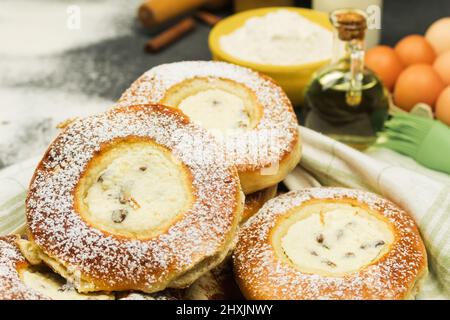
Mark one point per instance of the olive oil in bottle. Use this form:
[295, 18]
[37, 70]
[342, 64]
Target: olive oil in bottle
[345, 100]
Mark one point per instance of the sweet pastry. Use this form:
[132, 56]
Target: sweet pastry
[217, 284]
[137, 198]
[250, 114]
[254, 201]
[21, 281]
[329, 243]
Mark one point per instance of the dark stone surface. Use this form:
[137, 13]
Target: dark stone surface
[119, 61]
[107, 68]
[404, 17]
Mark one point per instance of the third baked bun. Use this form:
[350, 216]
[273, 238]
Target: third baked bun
[329, 243]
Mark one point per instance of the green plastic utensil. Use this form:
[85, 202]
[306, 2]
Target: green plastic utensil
[425, 140]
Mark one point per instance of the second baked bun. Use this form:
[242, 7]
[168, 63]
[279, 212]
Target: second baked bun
[248, 111]
[136, 198]
[329, 243]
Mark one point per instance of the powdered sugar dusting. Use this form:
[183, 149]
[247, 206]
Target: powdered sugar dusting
[278, 117]
[11, 286]
[59, 230]
[263, 274]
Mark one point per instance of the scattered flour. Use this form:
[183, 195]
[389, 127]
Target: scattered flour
[35, 40]
[28, 119]
[40, 27]
[282, 37]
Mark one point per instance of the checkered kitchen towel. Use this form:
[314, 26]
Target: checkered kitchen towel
[422, 192]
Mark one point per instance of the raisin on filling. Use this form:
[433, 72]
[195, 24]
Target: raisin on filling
[137, 189]
[335, 239]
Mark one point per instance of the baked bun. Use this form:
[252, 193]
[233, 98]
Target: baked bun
[248, 111]
[136, 198]
[21, 281]
[329, 243]
[217, 284]
[254, 201]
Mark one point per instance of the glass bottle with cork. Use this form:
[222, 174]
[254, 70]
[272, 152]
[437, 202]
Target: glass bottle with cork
[345, 100]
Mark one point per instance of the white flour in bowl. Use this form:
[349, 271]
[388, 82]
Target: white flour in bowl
[281, 37]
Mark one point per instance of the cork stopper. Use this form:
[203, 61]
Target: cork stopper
[350, 24]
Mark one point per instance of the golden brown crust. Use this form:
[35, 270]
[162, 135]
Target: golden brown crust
[257, 169]
[94, 260]
[11, 261]
[254, 201]
[261, 274]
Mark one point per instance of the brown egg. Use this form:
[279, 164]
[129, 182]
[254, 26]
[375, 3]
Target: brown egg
[443, 106]
[415, 49]
[385, 63]
[442, 66]
[438, 35]
[417, 83]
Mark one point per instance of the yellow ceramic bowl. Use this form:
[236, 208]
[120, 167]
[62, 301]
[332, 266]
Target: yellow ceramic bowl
[292, 78]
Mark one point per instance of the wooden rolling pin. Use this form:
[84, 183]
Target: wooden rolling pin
[155, 12]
